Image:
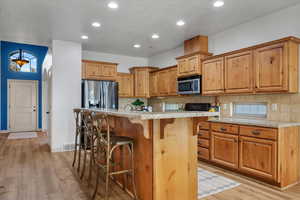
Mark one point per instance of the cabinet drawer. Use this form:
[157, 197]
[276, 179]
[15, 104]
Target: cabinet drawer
[203, 134]
[225, 128]
[259, 132]
[203, 153]
[204, 125]
[203, 143]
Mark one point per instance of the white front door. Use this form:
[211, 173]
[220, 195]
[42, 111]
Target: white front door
[22, 105]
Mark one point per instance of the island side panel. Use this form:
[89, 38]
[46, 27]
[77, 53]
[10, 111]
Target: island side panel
[175, 159]
[143, 156]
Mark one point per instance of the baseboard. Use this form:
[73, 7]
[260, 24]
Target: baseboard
[3, 131]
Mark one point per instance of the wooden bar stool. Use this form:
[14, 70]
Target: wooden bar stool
[78, 135]
[88, 141]
[106, 144]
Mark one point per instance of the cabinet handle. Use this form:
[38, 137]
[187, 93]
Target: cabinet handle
[272, 60]
[256, 132]
[223, 129]
[235, 140]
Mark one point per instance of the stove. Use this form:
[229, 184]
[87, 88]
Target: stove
[197, 106]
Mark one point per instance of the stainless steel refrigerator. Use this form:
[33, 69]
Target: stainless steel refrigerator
[99, 94]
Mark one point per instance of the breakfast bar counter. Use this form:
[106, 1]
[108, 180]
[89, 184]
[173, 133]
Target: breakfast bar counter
[165, 151]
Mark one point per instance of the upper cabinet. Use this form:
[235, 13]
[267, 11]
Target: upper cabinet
[266, 68]
[239, 73]
[163, 82]
[153, 84]
[195, 49]
[190, 65]
[272, 65]
[125, 81]
[213, 76]
[95, 70]
[141, 76]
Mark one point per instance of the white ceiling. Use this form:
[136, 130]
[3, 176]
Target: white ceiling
[40, 21]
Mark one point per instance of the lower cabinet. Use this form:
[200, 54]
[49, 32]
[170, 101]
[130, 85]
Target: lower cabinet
[224, 149]
[258, 157]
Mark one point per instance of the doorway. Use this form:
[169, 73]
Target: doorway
[22, 105]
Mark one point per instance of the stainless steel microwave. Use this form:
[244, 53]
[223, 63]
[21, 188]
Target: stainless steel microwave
[189, 85]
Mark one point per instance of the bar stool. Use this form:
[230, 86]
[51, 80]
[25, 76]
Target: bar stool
[78, 134]
[88, 141]
[106, 144]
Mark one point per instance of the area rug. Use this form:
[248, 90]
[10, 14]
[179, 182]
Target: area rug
[210, 183]
[22, 135]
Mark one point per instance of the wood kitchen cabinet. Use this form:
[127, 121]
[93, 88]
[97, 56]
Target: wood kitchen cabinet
[95, 70]
[142, 80]
[163, 82]
[153, 84]
[213, 76]
[269, 154]
[276, 68]
[173, 81]
[258, 157]
[270, 67]
[224, 149]
[125, 81]
[239, 73]
[190, 64]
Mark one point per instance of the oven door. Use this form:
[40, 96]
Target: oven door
[189, 86]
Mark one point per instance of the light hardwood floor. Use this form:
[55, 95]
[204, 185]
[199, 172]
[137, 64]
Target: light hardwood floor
[28, 171]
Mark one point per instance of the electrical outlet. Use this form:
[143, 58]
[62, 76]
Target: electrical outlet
[274, 107]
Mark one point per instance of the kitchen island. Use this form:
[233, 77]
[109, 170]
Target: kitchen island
[165, 151]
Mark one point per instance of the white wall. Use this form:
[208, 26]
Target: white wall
[167, 58]
[125, 62]
[66, 94]
[267, 28]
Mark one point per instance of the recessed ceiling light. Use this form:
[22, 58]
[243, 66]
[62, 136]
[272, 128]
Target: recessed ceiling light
[219, 3]
[155, 36]
[113, 5]
[137, 46]
[84, 37]
[96, 24]
[180, 23]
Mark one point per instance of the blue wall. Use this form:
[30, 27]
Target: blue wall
[6, 48]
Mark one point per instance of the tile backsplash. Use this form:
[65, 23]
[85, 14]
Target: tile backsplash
[123, 102]
[281, 107]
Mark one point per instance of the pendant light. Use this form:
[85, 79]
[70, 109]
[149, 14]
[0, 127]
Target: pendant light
[20, 61]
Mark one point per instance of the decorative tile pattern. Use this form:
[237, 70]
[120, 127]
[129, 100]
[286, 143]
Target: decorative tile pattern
[210, 183]
[22, 135]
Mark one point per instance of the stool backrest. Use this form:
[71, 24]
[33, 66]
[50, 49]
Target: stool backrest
[78, 117]
[102, 126]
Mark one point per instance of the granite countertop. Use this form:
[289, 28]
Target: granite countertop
[256, 122]
[154, 115]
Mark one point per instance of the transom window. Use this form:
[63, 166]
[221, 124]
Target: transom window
[253, 110]
[31, 66]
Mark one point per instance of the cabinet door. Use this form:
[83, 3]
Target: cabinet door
[182, 66]
[125, 85]
[193, 64]
[173, 81]
[213, 76]
[224, 149]
[141, 83]
[258, 157]
[153, 87]
[239, 73]
[108, 70]
[163, 81]
[92, 70]
[271, 68]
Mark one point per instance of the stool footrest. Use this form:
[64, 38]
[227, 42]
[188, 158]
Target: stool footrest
[121, 172]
